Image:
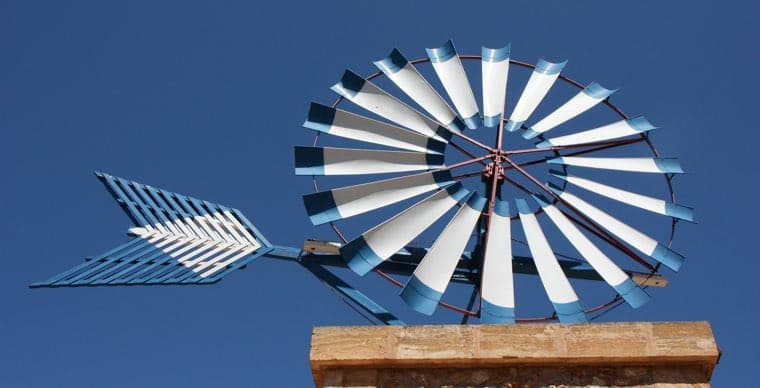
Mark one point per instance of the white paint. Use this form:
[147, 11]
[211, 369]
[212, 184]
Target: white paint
[535, 91]
[395, 233]
[353, 200]
[495, 75]
[409, 80]
[454, 80]
[441, 259]
[377, 101]
[555, 282]
[497, 282]
[344, 161]
[636, 239]
[580, 103]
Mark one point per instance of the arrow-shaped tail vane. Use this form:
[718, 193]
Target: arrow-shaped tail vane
[178, 240]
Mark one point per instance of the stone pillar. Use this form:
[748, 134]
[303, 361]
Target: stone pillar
[666, 354]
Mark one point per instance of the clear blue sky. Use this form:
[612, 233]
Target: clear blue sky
[207, 99]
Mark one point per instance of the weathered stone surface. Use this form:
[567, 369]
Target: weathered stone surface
[667, 354]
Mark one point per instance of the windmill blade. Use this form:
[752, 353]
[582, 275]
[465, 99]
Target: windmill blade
[336, 204]
[495, 69]
[654, 205]
[557, 287]
[450, 71]
[205, 241]
[586, 99]
[344, 161]
[381, 242]
[633, 237]
[348, 125]
[497, 292]
[370, 97]
[427, 284]
[611, 273]
[398, 69]
[612, 131]
[539, 83]
[648, 165]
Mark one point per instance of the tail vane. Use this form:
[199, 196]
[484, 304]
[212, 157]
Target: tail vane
[177, 240]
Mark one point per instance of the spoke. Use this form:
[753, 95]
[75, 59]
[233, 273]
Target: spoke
[609, 238]
[464, 163]
[473, 141]
[581, 152]
[564, 147]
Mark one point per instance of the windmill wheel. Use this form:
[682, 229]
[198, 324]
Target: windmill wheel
[482, 175]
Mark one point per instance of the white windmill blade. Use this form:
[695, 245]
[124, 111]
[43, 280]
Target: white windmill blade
[648, 165]
[606, 268]
[398, 69]
[427, 284]
[558, 288]
[349, 125]
[495, 69]
[640, 201]
[370, 97]
[497, 294]
[586, 99]
[344, 202]
[347, 161]
[612, 131]
[450, 71]
[381, 242]
[633, 237]
[539, 83]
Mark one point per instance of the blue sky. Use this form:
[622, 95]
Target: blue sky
[207, 99]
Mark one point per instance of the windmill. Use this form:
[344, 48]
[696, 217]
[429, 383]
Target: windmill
[466, 177]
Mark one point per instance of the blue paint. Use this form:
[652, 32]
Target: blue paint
[556, 189]
[436, 146]
[458, 192]
[541, 200]
[391, 64]
[522, 206]
[571, 312]
[310, 160]
[679, 211]
[558, 173]
[441, 54]
[492, 121]
[494, 314]
[320, 117]
[476, 202]
[420, 296]
[359, 256]
[640, 124]
[434, 160]
[530, 133]
[457, 124]
[321, 207]
[557, 160]
[350, 84]
[544, 144]
[474, 121]
[501, 208]
[443, 133]
[549, 68]
[594, 90]
[442, 177]
[631, 293]
[495, 55]
[512, 126]
[668, 165]
[668, 257]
